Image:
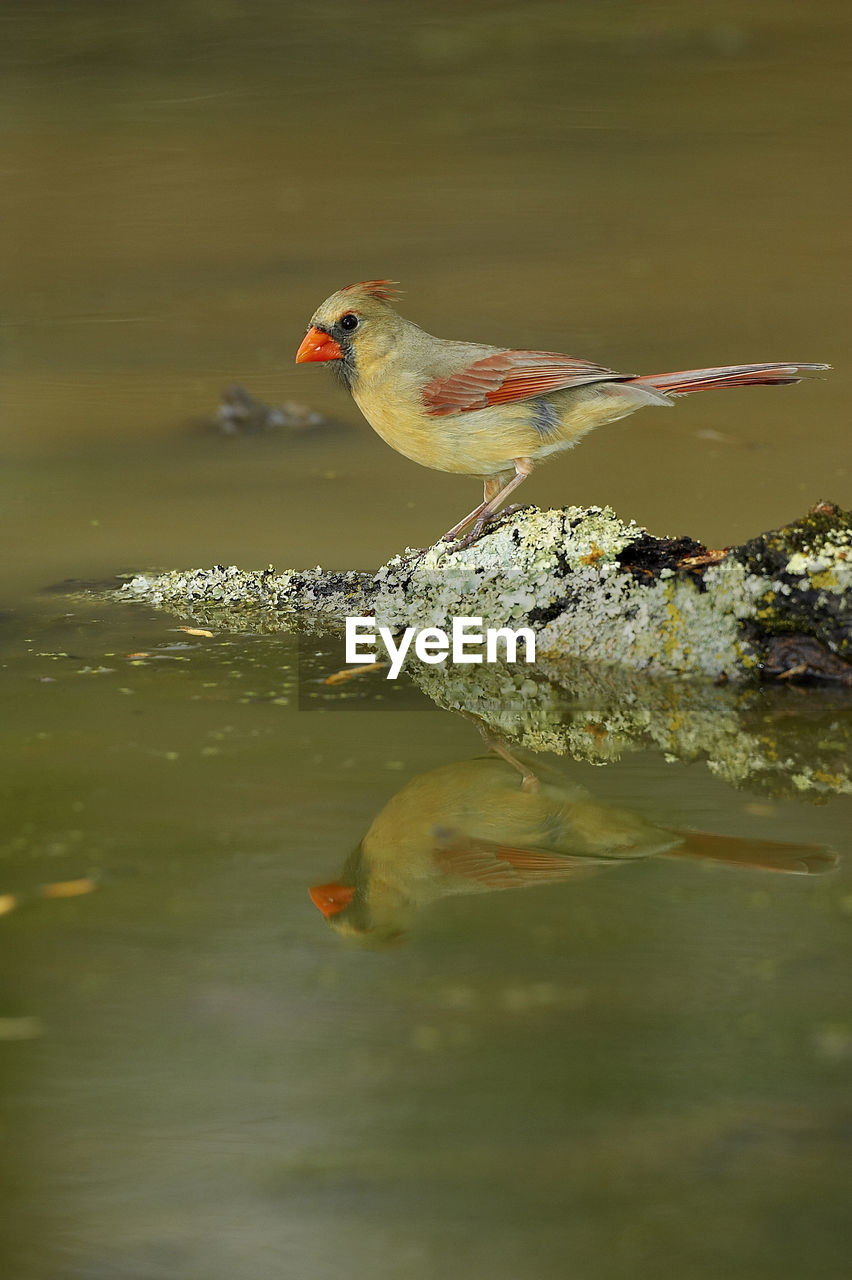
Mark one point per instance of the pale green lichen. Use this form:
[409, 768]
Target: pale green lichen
[833, 558]
[254, 600]
[517, 569]
[808, 565]
[824, 567]
[568, 560]
[667, 626]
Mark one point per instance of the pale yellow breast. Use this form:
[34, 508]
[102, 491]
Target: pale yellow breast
[483, 442]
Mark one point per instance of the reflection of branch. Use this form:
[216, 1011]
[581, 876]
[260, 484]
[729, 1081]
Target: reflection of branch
[772, 740]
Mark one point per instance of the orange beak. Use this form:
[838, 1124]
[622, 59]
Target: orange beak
[317, 345]
[330, 899]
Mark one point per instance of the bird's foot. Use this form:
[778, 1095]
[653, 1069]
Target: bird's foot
[460, 544]
[510, 510]
[482, 525]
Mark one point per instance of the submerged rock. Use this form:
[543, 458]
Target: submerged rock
[241, 414]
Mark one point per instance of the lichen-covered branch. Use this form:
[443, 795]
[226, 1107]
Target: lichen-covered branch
[593, 588]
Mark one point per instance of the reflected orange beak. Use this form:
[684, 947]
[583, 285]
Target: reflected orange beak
[330, 899]
[317, 345]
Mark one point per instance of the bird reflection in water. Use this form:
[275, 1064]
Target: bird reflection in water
[492, 823]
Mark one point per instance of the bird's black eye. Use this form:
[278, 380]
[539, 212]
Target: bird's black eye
[349, 321]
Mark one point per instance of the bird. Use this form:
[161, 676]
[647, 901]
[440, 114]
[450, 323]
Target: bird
[471, 827]
[486, 411]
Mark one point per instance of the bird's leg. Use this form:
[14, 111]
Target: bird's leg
[490, 488]
[523, 468]
[462, 524]
[529, 781]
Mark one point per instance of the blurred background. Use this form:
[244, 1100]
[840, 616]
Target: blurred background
[652, 186]
[649, 1070]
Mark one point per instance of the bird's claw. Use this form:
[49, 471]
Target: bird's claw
[459, 544]
[481, 527]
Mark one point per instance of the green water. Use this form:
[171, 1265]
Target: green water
[635, 1071]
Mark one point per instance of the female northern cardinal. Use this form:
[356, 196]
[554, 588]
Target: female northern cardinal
[480, 410]
[470, 827]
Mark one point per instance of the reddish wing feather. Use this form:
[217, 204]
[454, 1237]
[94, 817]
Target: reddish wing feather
[503, 867]
[508, 376]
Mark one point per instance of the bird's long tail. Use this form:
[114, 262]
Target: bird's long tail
[766, 855]
[734, 375]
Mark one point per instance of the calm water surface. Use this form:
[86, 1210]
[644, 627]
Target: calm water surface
[641, 1068]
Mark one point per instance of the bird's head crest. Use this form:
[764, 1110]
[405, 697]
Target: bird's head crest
[384, 290]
